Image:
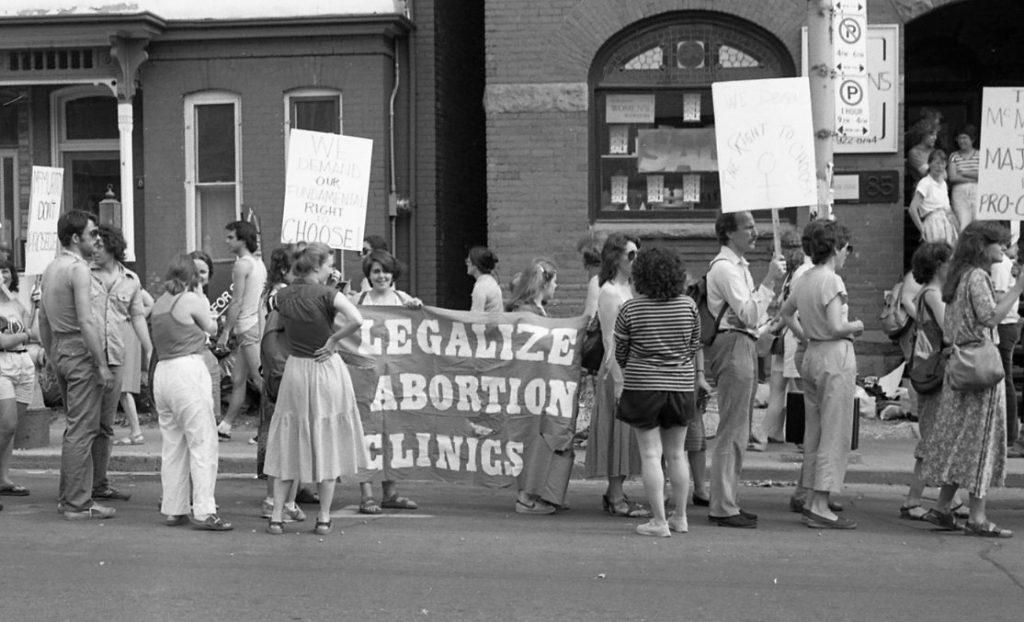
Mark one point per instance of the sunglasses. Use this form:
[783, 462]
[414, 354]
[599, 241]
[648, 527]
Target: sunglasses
[631, 255]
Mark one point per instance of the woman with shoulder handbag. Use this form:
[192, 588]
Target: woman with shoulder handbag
[967, 447]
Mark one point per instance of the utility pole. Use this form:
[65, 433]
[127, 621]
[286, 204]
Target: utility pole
[821, 75]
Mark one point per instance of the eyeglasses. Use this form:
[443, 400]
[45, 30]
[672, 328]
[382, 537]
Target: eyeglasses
[631, 255]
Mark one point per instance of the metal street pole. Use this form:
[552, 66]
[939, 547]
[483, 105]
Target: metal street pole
[821, 75]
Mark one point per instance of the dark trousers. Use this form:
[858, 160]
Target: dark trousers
[1009, 334]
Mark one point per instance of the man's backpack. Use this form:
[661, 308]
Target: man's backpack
[698, 290]
[894, 318]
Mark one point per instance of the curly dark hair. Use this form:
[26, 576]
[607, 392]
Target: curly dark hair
[483, 259]
[927, 259]
[113, 241]
[386, 260]
[822, 238]
[659, 274]
[7, 264]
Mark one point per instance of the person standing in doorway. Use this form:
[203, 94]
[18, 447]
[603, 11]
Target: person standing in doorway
[732, 358]
[248, 278]
[71, 338]
[117, 302]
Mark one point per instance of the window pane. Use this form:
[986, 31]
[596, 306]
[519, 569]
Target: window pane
[8, 125]
[215, 206]
[316, 114]
[215, 143]
[90, 118]
[7, 199]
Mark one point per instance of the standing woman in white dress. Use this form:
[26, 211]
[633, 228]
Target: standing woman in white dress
[962, 173]
[480, 264]
[929, 209]
[315, 434]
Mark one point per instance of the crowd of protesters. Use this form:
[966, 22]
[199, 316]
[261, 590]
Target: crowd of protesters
[98, 326]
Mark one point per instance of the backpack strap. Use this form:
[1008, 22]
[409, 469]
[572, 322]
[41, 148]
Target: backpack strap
[362, 297]
[725, 303]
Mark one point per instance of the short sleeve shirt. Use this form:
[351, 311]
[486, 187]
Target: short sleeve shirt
[113, 308]
[934, 195]
[813, 292]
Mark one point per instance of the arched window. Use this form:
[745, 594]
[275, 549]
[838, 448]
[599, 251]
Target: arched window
[652, 119]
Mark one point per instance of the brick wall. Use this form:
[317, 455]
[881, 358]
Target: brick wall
[538, 57]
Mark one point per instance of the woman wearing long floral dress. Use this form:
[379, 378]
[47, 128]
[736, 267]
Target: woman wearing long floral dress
[967, 447]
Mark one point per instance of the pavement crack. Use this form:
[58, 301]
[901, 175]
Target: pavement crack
[986, 555]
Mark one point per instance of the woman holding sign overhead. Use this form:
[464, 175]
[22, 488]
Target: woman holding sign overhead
[930, 209]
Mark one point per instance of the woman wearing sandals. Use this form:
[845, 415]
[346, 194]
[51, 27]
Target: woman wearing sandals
[184, 403]
[315, 434]
[828, 369]
[381, 268]
[657, 345]
[612, 450]
[967, 447]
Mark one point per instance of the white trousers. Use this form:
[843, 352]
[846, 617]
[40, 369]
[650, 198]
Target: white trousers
[184, 405]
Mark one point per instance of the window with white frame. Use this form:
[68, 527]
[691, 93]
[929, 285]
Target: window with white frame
[213, 163]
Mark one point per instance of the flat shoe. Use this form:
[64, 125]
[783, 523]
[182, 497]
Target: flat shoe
[738, 521]
[14, 490]
[988, 529]
[796, 506]
[275, 528]
[701, 501]
[131, 440]
[535, 507]
[399, 503]
[650, 529]
[211, 523]
[945, 521]
[913, 512]
[678, 525]
[176, 520]
[369, 506]
[322, 527]
[817, 521]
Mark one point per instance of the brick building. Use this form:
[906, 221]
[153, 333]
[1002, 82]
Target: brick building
[560, 152]
[182, 108]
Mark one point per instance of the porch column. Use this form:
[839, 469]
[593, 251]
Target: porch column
[125, 123]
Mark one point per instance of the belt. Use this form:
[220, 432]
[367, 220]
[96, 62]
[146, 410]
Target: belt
[22, 351]
[850, 339]
[738, 330]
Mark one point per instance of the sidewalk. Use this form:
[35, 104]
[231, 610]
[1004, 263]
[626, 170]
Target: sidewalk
[885, 456]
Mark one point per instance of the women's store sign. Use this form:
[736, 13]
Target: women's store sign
[326, 186]
[1001, 166]
[460, 396]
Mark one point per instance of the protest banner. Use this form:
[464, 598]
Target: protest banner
[1001, 165]
[327, 182]
[765, 144]
[41, 244]
[463, 397]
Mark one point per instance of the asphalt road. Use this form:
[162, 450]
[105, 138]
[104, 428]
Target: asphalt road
[467, 556]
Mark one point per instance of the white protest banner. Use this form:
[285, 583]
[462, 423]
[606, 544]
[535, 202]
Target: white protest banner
[326, 186]
[1001, 166]
[41, 243]
[765, 143]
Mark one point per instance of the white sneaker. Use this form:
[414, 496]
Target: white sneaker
[651, 529]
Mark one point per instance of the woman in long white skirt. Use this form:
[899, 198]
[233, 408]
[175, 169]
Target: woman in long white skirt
[315, 434]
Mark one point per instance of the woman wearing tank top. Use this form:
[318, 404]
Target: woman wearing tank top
[180, 323]
[315, 433]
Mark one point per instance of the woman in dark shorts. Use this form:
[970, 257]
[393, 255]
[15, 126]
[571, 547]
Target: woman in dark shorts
[657, 344]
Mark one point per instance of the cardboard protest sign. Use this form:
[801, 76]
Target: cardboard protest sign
[463, 397]
[765, 144]
[326, 186]
[41, 244]
[1001, 157]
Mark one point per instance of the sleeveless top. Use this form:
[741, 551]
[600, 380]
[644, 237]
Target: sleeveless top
[248, 312]
[928, 337]
[174, 339]
[58, 298]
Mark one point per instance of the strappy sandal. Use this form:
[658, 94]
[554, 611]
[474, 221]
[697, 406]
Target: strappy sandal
[988, 529]
[913, 512]
[960, 511]
[945, 521]
[624, 507]
[322, 527]
[275, 528]
[398, 502]
[369, 505]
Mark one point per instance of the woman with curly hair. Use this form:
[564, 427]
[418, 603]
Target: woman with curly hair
[480, 264]
[657, 345]
[967, 447]
[828, 370]
[612, 450]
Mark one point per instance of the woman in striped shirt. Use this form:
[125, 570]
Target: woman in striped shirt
[962, 173]
[657, 344]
